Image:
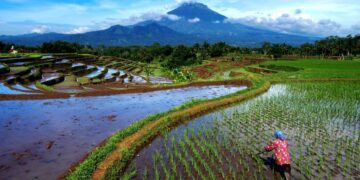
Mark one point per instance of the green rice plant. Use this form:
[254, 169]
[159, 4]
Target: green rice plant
[320, 120]
[129, 175]
[145, 174]
[198, 157]
[155, 158]
[183, 160]
[165, 170]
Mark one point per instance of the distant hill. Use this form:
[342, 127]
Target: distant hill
[115, 35]
[195, 22]
[137, 35]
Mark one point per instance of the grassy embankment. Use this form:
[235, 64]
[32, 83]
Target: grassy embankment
[29, 55]
[39, 85]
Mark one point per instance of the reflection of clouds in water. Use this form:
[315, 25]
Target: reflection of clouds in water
[6, 90]
[276, 90]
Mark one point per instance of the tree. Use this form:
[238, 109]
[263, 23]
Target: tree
[181, 56]
[266, 47]
[148, 72]
[145, 55]
[2, 47]
[218, 49]
[307, 49]
[60, 47]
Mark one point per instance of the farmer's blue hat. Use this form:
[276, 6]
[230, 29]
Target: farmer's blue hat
[279, 135]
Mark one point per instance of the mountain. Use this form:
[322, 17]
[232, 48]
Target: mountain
[137, 35]
[193, 10]
[115, 35]
[193, 22]
[32, 39]
[213, 27]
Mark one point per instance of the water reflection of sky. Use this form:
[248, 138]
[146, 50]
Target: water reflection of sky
[75, 125]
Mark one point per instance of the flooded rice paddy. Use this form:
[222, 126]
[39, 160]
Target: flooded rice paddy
[41, 139]
[320, 120]
[7, 90]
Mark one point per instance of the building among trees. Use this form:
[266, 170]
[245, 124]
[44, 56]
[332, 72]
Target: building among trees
[13, 50]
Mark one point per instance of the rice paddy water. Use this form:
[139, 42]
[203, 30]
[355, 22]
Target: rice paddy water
[41, 139]
[320, 120]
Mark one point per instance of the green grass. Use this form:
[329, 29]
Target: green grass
[19, 68]
[83, 80]
[317, 69]
[86, 55]
[96, 81]
[156, 68]
[70, 80]
[33, 55]
[30, 55]
[44, 87]
[7, 55]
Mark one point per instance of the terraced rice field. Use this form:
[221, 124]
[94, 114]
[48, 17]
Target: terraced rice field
[52, 71]
[320, 120]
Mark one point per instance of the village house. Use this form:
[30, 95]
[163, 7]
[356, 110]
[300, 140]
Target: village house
[13, 50]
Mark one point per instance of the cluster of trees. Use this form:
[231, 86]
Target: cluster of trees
[333, 46]
[330, 46]
[64, 47]
[5, 47]
[169, 56]
[175, 56]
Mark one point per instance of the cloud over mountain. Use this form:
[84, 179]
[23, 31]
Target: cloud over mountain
[78, 30]
[294, 23]
[41, 29]
[194, 20]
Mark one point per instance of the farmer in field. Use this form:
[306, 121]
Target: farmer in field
[282, 155]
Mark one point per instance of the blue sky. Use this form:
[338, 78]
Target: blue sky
[314, 17]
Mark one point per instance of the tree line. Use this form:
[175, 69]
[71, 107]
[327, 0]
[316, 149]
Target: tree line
[174, 56]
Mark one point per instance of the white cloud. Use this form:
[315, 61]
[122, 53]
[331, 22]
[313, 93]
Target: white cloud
[172, 17]
[41, 29]
[295, 23]
[78, 30]
[146, 16]
[134, 20]
[195, 20]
